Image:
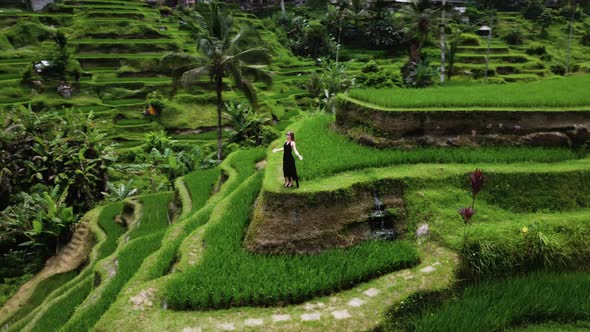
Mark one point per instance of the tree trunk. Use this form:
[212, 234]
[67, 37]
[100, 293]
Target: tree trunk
[485, 77]
[571, 34]
[442, 44]
[218, 88]
[283, 11]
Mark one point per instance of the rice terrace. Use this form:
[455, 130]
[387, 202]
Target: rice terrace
[313, 165]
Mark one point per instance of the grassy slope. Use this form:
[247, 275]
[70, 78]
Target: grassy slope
[327, 153]
[497, 305]
[553, 94]
[64, 300]
[143, 240]
[229, 275]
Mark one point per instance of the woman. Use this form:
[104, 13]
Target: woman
[289, 170]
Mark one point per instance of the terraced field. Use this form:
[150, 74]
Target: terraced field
[183, 260]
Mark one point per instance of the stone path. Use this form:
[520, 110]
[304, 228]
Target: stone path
[360, 308]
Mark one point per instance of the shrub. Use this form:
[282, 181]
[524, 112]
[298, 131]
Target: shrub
[533, 9]
[158, 140]
[536, 50]
[370, 67]
[514, 37]
[585, 39]
[469, 39]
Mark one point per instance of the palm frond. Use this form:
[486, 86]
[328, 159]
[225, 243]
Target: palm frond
[191, 76]
[175, 60]
[257, 74]
[254, 56]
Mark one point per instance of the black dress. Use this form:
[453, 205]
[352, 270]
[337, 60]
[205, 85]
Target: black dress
[289, 170]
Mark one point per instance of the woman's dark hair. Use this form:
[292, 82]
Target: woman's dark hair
[292, 134]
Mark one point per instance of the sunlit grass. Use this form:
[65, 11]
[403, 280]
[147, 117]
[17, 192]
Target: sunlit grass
[550, 94]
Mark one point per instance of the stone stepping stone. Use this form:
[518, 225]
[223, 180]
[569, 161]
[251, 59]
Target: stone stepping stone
[192, 329]
[226, 327]
[254, 322]
[311, 306]
[310, 316]
[428, 269]
[281, 318]
[372, 292]
[356, 302]
[341, 314]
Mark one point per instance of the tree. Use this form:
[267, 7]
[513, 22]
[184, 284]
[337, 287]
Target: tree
[419, 20]
[225, 52]
[545, 20]
[574, 8]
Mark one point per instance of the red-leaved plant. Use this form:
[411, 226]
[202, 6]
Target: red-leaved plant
[477, 180]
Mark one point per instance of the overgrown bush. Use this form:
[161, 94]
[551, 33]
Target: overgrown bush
[533, 9]
[28, 32]
[514, 37]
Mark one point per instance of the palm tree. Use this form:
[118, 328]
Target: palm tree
[419, 20]
[225, 52]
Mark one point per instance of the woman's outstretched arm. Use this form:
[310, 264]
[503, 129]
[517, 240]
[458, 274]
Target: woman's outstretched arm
[277, 150]
[295, 150]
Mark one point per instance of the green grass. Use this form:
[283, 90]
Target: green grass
[144, 239]
[555, 327]
[495, 306]
[67, 298]
[497, 243]
[200, 184]
[229, 275]
[41, 292]
[326, 152]
[551, 94]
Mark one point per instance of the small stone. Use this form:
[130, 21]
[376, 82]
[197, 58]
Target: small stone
[409, 277]
[310, 316]
[227, 326]
[356, 302]
[372, 292]
[281, 318]
[341, 314]
[253, 322]
[428, 269]
[320, 305]
[422, 230]
[436, 264]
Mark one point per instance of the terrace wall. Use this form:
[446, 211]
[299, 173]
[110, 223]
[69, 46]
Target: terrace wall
[287, 222]
[462, 128]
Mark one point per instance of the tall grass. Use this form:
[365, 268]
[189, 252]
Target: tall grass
[326, 152]
[502, 242]
[495, 306]
[238, 166]
[200, 184]
[553, 93]
[57, 313]
[229, 275]
[144, 239]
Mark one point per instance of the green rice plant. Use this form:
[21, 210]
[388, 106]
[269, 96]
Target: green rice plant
[325, 152]
[504, 242]
[200, 184]
[550, 94]
[237, 167]
[71, 294]
[229, 275]
[498, 305]
[145, 238]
